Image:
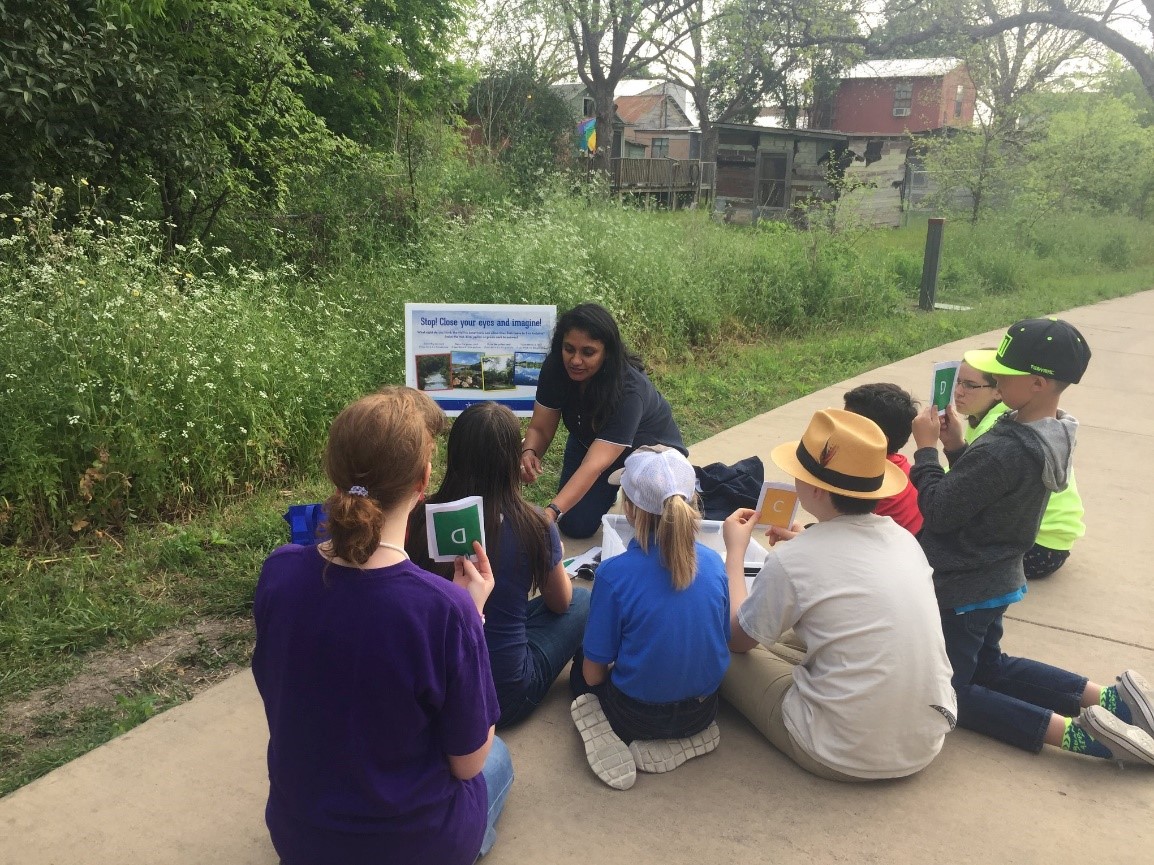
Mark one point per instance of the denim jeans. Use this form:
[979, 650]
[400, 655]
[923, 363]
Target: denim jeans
[553, 638]
[498, 772]
[634, 719]
[583, 519]
[1006, 698]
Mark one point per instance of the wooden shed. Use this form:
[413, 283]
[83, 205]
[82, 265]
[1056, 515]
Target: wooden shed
[765, 172]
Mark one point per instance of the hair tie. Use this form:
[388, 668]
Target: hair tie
[358, 490]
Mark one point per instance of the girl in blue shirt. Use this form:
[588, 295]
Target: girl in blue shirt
[655, 648]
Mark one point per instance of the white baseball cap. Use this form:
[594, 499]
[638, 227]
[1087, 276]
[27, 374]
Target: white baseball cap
[654, 473]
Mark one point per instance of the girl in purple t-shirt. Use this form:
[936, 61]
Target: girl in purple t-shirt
[374, 673]
[530, 641]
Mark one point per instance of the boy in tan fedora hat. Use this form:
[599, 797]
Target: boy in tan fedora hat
[979, 520]
[871, 698]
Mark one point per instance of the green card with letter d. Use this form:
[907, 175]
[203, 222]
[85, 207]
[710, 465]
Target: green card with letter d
[945, 375]
[452, 527]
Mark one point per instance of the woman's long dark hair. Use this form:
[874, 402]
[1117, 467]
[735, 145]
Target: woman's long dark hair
[603, 392]
[484, 459]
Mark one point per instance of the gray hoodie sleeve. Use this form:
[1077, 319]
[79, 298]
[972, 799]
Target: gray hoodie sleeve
[950, 501]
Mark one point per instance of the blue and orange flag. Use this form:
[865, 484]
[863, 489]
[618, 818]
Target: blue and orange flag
[587, 135]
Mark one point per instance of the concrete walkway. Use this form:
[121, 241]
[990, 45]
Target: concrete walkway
[189, 786]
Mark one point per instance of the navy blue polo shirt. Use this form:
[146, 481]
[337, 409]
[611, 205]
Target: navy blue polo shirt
[643, 416]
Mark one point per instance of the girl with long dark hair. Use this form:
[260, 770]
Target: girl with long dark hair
[598, 387]
[530, 640]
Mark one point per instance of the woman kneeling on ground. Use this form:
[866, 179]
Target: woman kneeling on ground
[598, 387]
[530, 641]
[374, 673]
[656, 644]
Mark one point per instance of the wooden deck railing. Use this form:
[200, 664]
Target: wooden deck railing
[660, 175]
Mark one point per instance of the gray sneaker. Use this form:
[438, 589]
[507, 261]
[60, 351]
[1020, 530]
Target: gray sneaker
[665, 755]
[1127, 743]
[1137, 694]
[608, 756]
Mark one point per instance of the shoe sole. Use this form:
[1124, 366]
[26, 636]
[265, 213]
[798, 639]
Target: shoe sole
[609, 757]
[1139, 695]
[1125, 741]
[664, 755]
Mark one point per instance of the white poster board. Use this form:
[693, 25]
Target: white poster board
[460, 354]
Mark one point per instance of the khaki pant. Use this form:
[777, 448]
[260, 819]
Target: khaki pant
[756, 685]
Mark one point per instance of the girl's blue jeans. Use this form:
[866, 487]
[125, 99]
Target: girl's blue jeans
[498, 772]
[553, 638]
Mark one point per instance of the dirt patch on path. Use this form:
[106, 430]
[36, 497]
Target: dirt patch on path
[116, 689]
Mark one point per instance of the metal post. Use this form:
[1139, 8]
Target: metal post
[930, 263]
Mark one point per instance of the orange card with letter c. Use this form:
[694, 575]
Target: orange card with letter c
[777, 505]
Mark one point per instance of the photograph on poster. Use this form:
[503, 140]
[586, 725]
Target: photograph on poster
[433, 371]
[461, 354]
[467, 369]
[497, 371]
[527, 367]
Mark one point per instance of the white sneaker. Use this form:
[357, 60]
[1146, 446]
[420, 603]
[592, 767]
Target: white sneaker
[1127, 743]
[1137, 694]
[665, 755]
[609, 757]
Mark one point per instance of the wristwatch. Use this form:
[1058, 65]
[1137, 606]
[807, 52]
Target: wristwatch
[556, 510]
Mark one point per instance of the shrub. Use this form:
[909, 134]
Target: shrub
[1115, 252]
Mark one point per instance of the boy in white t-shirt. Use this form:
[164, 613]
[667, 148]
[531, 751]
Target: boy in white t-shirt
[872, 696]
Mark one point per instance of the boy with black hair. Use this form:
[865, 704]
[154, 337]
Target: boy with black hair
[894, 410]
[980, 518]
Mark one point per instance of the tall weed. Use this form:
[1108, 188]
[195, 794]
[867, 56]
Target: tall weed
[141, 385]
[137, 385]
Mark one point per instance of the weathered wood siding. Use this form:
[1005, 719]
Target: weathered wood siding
[765, 173]
[879, 170]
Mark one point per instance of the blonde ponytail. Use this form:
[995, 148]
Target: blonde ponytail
[676, 533]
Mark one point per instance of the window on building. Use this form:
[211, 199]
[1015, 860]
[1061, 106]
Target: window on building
[959, 96]
[903, 99]
[588, 107]
[660, 148]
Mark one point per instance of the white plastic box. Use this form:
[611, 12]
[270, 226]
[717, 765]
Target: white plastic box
[616, 533]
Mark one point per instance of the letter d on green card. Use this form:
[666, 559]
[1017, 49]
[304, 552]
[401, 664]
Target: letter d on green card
[945, 374]
[453, 526]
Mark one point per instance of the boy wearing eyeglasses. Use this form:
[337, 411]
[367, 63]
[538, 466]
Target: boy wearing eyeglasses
[979, 520]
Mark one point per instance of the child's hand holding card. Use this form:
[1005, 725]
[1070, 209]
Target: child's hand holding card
[451, 528]
[777, 505]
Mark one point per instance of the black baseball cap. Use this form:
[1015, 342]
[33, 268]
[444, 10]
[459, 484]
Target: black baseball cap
[1048, 347]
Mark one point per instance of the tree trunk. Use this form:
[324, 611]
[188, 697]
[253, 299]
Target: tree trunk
[602, 94]
[709, 136]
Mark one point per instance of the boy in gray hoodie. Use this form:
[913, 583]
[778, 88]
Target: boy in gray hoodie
[980, 518]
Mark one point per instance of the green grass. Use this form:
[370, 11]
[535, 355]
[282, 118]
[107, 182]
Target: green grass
[732, 323]
[736, 381]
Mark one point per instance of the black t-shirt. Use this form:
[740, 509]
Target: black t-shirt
[643, 417]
